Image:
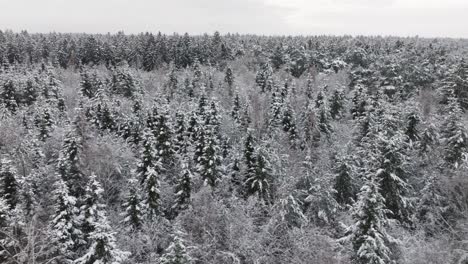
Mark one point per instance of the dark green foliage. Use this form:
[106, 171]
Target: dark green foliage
[9, 183]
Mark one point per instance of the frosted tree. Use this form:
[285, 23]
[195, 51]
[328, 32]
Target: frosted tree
[344, 184]
[133, 206]
[9, 183]
[180, 133]
[43, 121]
[249, 156]
[69, 163]
[65, 225]
[102, 247]
[92, 209]
[323, 120]
[289, 124]
[152, 191]
[236, 108]
[164, 141]
[359, 101]
[276, 110]
[336, 103]
[260, 183]
[368, 235]
[176, 252]
[264, 77]
[453, 135]
[210, 159]
[183, 186]
[229, 79]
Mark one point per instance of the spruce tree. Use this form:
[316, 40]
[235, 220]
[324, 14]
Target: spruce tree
[69, 164]
[236, 109]
[368, 235]
[9, 183]
[336, 104]
[92, 209]
[229, 79]
[344, 184]
[260, 182]
[183, 186]
[454, 135]
[133, 206]
[180, 133]
[176, 252]
[65, 225]
[102, 247]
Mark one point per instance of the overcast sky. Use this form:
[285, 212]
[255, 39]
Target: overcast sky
[428, 18]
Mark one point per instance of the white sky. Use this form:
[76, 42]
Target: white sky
[428, 18]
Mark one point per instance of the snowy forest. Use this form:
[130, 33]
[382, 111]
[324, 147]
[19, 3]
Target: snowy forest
[235, 149]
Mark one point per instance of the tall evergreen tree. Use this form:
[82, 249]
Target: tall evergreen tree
[368, 235]
[260, 183]
[133, 205]
[454, 135]
[176, 252]
[183, 186]
[9, 183]
[65, 225]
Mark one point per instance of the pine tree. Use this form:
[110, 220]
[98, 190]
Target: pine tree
[163, 136]
[337, 104]
[133, 206]
[260, 183]
[263, 77]
[344, 185]
[454, 135]
[152, 193]
[276, 110]
[277, 57]
[102, 246]
[249, 156]
[229, 79]
[210, 160]
[44, 122]
[368, 235]
[183, 186]
[412, 122]
[9, 183]
[69, 164]
[9, 96]
[92, 208]
[236, 109]
[359, 102]
[176, 252]
[65, 225]
[323, 121]
[289, 125]
[180, 133]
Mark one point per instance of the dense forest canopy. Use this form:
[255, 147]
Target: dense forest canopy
[174, 149]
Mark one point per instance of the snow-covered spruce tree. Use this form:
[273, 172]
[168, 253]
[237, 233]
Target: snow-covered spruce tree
[289, 125]
[4, 225]
[89, 84]
[9, 183]
[260, 183]
[102, 247]
[428, 139]
[92, 209]
[69, 164]
[9, 96]
[210, 159]
[323, 120]
[133, 206]
[453, 135]
[236, 109]
[164, 141]
[264, 77]
[176, 252]
[336, 103]
[180, 133]
[183, 185]
[344, 185]
[43, 121]
[249, 156]
[276, 110]
[229, 79]
[320, 99]
[152, 191]
[359, 100]
[412, 122]
[456, 84]
[64, 227]
[368, 235]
